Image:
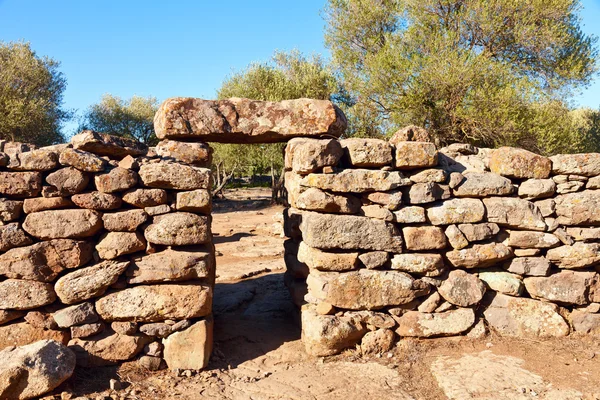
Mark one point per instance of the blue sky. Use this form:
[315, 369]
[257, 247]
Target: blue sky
[179, 48]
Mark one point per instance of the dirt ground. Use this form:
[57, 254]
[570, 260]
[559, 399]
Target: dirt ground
[258, 353]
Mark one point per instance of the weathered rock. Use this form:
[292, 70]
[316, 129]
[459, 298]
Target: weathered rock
[456, 238]
[390, 200]
[154, 349]
[483, 184]
[326, 335]
[327, 261]
[422, 193]
[179, 229]
[417, 324]
[410, 133]
[410, 215]
[578, 164]
[462, 289]
[374, 259]
[198, 154]
[593, 183]
[190, 348]
[23, 333]
[520, 317]
[124, 327]
[156, 329]
[547, 207]
[424, 237]
[43, 261]
[108, 348]
[34, 160]
[479, 232]
[531, 239]
[97, 201]
[90, 282]
[199, 201]
[413, 155]
[365, 289]
[124, 221]
[171, 265]
[86, 330]
[503, 282]
[9, 315]
[584, 234]
[17, 294]
[479, 255]
[514, 213]
[150, 363]
[156, 303]
[429, 175]
[145, 197]
[419, 263]
[66, 182]
[166, 175]
[326, 231]
[430, 304]
[578, 208]
[158, 210]
[10, 210]
[566, 287]
[537, 188]
[41, 320]
[377, 342]
[377, 211]
[38, 204]
[30, 371]
[532, 266]
[314, 199]
[116, 180]
[305, 155]
[580, 255]
[82, 160]
[12, 235]
[75, 315]
[20, 184]
[569, 187]
[585, 322]
[519, 163]
[108, 145]
[63, 224]
[116, 244]
[367, 152]
[357, 181]
[455, 162]
[239, 120]
[456, 211]
[527, 252]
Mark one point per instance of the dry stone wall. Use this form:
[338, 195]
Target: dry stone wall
[392, 239]
[105, 246]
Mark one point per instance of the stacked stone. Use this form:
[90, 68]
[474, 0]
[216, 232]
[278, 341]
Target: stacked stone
[398, 239]
[106, 247]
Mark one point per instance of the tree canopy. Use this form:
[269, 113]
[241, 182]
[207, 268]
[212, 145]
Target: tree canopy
[133, 118]
[488, 72]
[31, 96]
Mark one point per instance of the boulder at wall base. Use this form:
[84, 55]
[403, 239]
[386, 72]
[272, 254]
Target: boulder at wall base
[23, 333]
[521, 317]
[326, 335]
[107, 348]
[448, 323]
[565, 287]
[29, 371]
[349, 232]
[238, 120]
[190, 348]
[365, 289]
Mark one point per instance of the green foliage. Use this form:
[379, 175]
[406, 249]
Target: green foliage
[287, 76]
[133, 118]
[31, 96]
[488, 72]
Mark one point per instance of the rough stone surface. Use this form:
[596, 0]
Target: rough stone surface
[171, 265]
[10, 315]
[63, 224]
[43, 261]
[66, 182]
[82, 160]
[34, 160]
[376, 211]
[580, 255]
[479, 232]
[107, 348]
[456, 238]
[45, 203]
[198, 154]
[462, 289]
[377, 342]
[584, 322]
[325, 231]
[483, 184]
[17, 294]
[412, 155]
[584, 234]
[107, 145]
[503, 282]
[365, 289]
[199, 201]
[166, 175]
[532, 266]
[20, 184]
[326, 335]
[357, 181]
[327, 261]
[23, 333]
[305, 155]
[179, 229]
[116, 244]
[514, 213]
[116, 180]
[578, 164]
[565, 287]
[75, 315]
[531, 239]
[33, 370]
[422, 193]
[578, 208]
[374, 259]
[429, 175]
[124, 221]
[410, 133]
[190, 348]
[367, 152]
[419, 263]
[89, 282]
[410, 215]
[519, 163]
[456, 211]
[479, 255]
[314, 199]
[97, 201]
[156, 303]
[10, 210]
[424, 238]
[12, 235]
[418, 324]
[537, 188]
[86, 330]
[239, 120]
